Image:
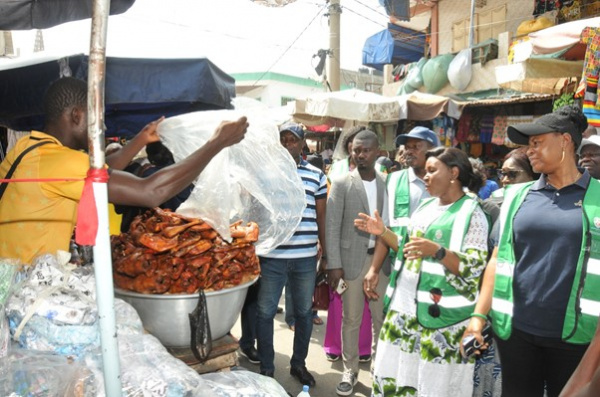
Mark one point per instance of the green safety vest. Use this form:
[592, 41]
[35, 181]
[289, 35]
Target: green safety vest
[449, 231]
[398, 190]
[583, 308]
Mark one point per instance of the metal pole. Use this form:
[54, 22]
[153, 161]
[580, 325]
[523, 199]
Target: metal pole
[102, 255]
[472, 25]
[333, 65]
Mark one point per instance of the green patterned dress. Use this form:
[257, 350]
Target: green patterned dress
[415, 361]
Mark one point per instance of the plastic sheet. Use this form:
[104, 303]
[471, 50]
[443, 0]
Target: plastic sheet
[243, 384]
[254, 180]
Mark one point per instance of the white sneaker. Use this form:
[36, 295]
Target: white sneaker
[346, 386]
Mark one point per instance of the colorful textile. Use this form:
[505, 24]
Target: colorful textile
[486, 128]
[499, 133]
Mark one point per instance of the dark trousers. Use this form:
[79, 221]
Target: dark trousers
[529, 362]
[248, 317]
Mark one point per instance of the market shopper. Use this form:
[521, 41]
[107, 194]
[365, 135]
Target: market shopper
[351, 251]
[296, 261]
[39, 217]
[540, 285]
[434, 291]
[589, 155]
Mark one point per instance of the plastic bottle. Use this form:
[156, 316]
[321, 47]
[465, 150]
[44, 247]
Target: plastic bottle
[304, 392]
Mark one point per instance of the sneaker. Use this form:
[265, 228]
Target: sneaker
[251, 354]
[364, 359]
[332, 357]
[346, 386]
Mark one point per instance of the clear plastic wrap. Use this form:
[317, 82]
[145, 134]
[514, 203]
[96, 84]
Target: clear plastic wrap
[459, 71]
[243, 383]
[254, 180]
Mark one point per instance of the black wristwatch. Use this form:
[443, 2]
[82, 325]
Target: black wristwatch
[440, 254]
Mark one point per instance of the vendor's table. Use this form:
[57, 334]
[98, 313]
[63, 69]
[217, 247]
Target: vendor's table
[222, 356]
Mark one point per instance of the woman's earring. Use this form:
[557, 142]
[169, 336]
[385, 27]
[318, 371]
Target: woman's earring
[452, 181]
[563, 155]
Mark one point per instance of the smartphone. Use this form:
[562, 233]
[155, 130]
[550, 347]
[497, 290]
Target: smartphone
[471, 345]
[342, 286]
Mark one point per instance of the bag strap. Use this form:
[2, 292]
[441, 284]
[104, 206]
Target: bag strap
[11, 171]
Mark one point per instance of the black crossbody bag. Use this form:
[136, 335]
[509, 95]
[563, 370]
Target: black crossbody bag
[10, 173]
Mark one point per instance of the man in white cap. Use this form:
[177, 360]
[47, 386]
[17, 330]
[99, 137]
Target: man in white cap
[589, 155]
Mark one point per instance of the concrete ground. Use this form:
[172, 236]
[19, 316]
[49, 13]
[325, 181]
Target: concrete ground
[327, 374]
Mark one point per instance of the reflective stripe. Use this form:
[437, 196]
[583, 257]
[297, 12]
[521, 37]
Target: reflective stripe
[504, 269]
[389, 291]
[502, 306]
[446, 301]
[589, 307]
[433, 268]
[399, 222]
[593, 266]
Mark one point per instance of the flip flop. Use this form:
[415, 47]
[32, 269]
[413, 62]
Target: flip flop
[317, 320]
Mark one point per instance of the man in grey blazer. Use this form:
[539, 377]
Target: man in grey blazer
[350, 251]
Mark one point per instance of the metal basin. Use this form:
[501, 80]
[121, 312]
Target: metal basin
[166, 316]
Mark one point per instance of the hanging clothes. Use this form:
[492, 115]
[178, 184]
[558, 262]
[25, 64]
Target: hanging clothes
[588, 87]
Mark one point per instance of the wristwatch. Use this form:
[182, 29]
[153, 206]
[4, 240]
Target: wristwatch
[440, 254]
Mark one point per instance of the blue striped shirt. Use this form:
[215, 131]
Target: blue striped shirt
[303, 243]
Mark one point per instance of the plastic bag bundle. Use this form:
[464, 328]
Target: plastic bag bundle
[254, 180]
[435, 73]
[459, 71]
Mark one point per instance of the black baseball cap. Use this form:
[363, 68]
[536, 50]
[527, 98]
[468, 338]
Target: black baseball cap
[567, 119]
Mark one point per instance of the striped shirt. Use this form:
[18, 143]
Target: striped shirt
[303, 243]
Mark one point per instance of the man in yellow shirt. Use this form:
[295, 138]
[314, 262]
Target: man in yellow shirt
[39, 217]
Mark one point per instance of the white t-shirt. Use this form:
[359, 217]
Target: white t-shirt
[371, 190]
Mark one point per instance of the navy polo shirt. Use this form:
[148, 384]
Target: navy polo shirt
[547, 241]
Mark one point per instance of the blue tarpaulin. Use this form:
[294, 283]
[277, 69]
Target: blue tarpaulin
[394, 45]
[137, 90]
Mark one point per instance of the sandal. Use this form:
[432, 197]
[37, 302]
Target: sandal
[317, 320]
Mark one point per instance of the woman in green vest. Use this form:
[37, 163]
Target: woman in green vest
[434, 292]
[542, 284]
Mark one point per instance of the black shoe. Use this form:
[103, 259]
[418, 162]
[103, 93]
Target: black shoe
[251, 354]
[364, 359]
[270, 374]
[279, 310]
[303, 376]
[332, 357]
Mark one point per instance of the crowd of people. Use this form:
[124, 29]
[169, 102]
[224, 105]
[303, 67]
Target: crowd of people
[423, 254]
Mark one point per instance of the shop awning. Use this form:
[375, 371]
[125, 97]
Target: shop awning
[560, 37]
[399, 9]
[421, 106]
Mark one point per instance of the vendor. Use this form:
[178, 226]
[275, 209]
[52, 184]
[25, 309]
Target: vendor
[39, 217]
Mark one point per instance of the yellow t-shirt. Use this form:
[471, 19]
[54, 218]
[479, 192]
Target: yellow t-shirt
[38, 218]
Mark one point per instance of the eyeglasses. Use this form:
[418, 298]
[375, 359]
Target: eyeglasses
[511, 174]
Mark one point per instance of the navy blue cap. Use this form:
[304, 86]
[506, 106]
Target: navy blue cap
[294, 128]
[422, 133]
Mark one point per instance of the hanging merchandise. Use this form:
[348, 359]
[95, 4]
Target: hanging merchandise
[464, 125]
[435, 73]
[500, 125]
[486, 127]
[542, 6]
[459, 71]
[588, 87]
[474, 128]
[570, 11]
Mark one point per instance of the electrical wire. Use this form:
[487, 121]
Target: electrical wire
[362, 16]
[372, 9]
[289, 47]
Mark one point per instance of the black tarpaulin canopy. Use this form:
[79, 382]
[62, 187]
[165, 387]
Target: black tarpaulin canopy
[42, 14]
[137, 90]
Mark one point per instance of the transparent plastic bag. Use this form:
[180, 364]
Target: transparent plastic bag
[255, 180]
[243, 383]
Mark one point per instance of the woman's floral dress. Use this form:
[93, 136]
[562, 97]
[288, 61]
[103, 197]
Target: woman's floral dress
[415, 361]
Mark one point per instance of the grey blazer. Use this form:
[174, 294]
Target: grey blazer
[346, 245]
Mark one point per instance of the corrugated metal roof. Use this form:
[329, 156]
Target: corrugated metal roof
[508, 101]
